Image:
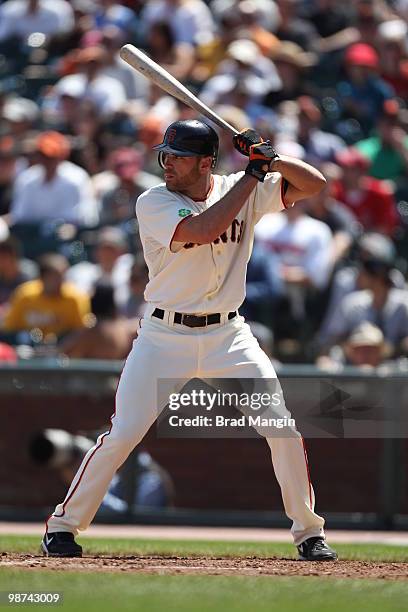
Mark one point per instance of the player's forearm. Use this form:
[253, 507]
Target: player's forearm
[210, 224]
[300, 175]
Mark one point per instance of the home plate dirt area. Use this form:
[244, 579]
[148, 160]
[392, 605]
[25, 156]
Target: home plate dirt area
[203, 565]
[203, 562]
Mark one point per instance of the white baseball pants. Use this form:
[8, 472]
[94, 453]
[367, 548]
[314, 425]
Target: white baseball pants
[166, 351]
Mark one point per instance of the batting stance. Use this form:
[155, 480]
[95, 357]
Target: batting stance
[197, 230]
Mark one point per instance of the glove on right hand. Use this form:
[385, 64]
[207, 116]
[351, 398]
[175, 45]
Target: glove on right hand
[261, 157]
[245, 139]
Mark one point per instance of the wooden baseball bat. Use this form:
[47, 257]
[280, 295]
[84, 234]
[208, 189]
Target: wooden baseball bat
[150, 69]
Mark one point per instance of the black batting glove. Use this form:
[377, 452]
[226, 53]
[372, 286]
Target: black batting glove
[245, 139]
[261, 157]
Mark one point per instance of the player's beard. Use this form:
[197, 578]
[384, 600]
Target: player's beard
[183, 182]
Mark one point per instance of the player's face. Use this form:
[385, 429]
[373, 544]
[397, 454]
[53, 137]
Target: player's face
[180, 173]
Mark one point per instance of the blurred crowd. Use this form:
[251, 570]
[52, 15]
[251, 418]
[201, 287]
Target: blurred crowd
[325, 81]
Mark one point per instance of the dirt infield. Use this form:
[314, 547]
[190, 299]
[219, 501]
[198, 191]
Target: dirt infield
[207, 565]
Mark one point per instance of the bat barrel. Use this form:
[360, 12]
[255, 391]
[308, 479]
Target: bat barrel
[151, 70]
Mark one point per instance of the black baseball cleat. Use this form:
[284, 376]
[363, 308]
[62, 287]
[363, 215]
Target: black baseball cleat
[316, 549]
[60, 544]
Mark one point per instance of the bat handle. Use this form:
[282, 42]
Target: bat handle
[227, 126]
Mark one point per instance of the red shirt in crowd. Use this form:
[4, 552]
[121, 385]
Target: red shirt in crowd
[372, 202]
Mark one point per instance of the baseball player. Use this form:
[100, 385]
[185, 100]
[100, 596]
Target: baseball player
[197, 231]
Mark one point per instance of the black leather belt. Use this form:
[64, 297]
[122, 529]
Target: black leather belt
[194, 320]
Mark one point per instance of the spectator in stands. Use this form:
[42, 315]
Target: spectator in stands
[111, 13]
[89, 138]
[8, 170]
[124, 172]
[80, 120]
[319, 146]
[369, 15]
[141, 483]
[19, 116]
[298, 245]
[401, 8]
[330, 17]
[112, 263]
[263, 286]
[136, 86]
[292, 64]
[90, 83]
[54, 188]
[387, 148]
[245, 94]
[299, 251]
[210, 54]
[14, 270]
[379, 303]
[293, 27]
[393, 53]
[63, 115]
[243, 67]
[230, 10]
[139, 276]
[118, 204]
[110, 336]
[191, 22]
[371, 201]
[352, 277]
[20, 18]
[361, 95]
[340, 219]
[178, 58]
[252, 22]
[49, 304]
[364, 348]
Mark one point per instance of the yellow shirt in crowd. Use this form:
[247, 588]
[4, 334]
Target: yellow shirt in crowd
[30, 308]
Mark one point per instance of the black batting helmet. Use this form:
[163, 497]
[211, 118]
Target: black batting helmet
[190, 138]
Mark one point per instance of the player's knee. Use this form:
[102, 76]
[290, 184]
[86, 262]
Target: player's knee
[124, 438]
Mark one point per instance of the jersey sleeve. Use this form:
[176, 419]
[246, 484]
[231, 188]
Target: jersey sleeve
[269, 195]
[159, 213]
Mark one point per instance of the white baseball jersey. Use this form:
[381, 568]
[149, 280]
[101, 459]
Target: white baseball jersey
[220, 284]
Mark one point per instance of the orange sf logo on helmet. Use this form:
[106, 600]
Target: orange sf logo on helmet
[171, 135]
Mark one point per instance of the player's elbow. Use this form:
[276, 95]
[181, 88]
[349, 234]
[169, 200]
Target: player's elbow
[318, 183]
[314, 186]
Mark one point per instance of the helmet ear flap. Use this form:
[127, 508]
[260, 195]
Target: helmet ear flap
[161, 159]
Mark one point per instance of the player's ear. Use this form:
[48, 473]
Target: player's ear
[205, 164]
